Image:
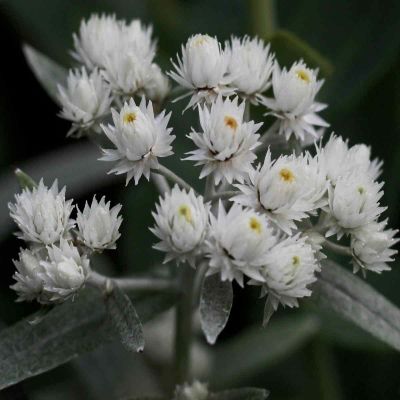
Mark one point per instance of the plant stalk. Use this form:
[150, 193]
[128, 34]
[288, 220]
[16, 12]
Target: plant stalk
[171, 176]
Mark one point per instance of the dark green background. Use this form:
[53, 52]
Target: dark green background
[356, 44]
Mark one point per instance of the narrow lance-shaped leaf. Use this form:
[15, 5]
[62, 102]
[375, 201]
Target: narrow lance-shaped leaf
[67, 331]
[125, 320]
[358, 302]
[215, 306]
[47, 72]
[24, 180]
[241, 394]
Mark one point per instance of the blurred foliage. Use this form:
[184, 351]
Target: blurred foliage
[310, 354]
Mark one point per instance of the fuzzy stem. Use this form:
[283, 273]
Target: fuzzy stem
[225, 195]
[171, 176]
[337, 248]
[209, 188]
[161, 183]
[263, 17]
[132, 284]
[184, 326]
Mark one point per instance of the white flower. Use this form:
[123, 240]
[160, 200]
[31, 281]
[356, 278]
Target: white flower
[181, 225]
[353, 203]
[371, 247]
[202, 69]
[286, 190]
[225, 147]
[139, 138]
[250, 66]
[85, 99]
[29, 283]
[157, 86]
[42, 214]
[289, 269]
[338, 159]
[239, 240]
[64, 272]
[294, 101]
[98, 225]
[194, 391]
[98, 37]
[137, 38]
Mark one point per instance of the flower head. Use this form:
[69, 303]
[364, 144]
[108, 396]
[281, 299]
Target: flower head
[287, 189]
[250, 66]
[294, 101]
[353, 203]
[157, 87]
[289, 269]
[372, 247]
[239, 241]
[139, 139]
[98, 225]
[181, 225]
[225, 147]
[202, 69]
[42, 214]
[85, 99]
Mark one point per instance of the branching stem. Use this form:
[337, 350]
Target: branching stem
[172, 177]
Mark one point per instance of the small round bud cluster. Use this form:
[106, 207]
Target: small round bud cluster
[55, 264]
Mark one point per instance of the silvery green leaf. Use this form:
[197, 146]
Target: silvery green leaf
[240, 394]
[215, 306]
[247, 353]
[67, 331]
[125, 320]
[354, 299]
[24, 180]
[46, 71]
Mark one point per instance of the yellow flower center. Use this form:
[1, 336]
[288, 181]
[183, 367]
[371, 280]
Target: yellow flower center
[185, 212]
[231, 122]
[255, 225]
[200, 40]
[286, 175]
[129, 117]
[296, 261]
[303, 75]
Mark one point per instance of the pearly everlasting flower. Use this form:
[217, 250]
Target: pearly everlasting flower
[202, 69]
[250, 66]
[42, 214]
[98, 225]
[86, 99]
[98, 37]
[286, 190]
[338, 159]
[238, 243]
[64, 272]
[139, 139]
[294, 101]
[226, 145]
[372, 247]
[28, 276]
[289, 269]
[157, 86]
[194, 391]
[353, 203]
[181, 225]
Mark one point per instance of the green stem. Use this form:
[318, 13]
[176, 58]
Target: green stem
[171, 176]
[226, 195]
[263, 17]
[184, 326]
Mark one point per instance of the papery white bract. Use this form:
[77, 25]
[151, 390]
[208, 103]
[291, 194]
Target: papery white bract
[98, 225]
[289, 269]
[64, 272]
[139, 137]
[287, 189]
[250, 66]
[181, 224]
[353, 203]
[226, 145]
[372, 247]
[202, 69]
[294, 101]
[42, 214]
[338, 159]
[239, 240]
[157, 86]
[85, 99]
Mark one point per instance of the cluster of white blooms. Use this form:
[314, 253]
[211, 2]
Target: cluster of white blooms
[264, 218]
[116, 61]
[55, 264]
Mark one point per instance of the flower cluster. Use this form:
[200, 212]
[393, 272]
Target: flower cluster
[55, 264]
